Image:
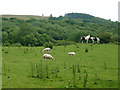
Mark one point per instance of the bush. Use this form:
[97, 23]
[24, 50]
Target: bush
[29, 45]
[4, 18]
[105, 38]
[17, 44]
[6, 44]
[117, 43]
[48, 44]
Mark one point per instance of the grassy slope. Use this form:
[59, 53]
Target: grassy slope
[17, 64]
[25, 17]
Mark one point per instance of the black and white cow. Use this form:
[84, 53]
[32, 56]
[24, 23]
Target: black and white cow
[87, 38]
[96, 39]
[82, 38]
[90, 38]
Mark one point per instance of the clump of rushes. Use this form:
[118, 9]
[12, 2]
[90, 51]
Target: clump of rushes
[37, 68]
[25, 51]
[77, 46]
[52, 71]
[73, 68]
[86, 50]
[41, 71]
[65, 45]
[32, 69]
[79, 77]
[96, 78]
[79, 71]
[2, 49]
[85, 79]
[75, 43]
[6, 52]
[57, 69]
[41, 50]
[105, 66]
[64, 65]
[4, 68]
[47, 76]
[78, 68]
[56, 73]
[91, 47]
[68, 82]
[74, 76]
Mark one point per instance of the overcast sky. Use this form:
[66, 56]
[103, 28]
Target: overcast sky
[107, 9]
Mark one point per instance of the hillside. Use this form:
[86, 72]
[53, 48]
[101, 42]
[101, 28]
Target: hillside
[41, 30]
[25, 17]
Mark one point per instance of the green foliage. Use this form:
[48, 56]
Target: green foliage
[6, 44]
[4, 36]
[78, 16]
[29, 39]
[48, 44]
[17, 44]
[30, 20]
[60, 30]
[105, 38]
[4, 18]
[76, 35]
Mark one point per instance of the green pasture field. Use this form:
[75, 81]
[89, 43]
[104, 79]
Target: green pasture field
[97, 68]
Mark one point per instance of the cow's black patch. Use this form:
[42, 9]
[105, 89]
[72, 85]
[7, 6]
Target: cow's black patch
[83, 38]
[90, 35]
[90, 39]
[95, 39]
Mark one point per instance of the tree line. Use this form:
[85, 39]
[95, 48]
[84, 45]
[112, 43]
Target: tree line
[62, 30]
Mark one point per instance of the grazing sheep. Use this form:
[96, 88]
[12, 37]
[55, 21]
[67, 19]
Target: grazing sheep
[71, 53]
[48, 56]
[46, 49]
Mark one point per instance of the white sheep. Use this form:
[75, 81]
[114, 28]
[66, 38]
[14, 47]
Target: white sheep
[71, 53]
[48, 56]
[46, 49]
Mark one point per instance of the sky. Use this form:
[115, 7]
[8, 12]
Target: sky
[107, 9]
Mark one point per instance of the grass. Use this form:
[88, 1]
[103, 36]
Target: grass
[25, 17]
[100, 63]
